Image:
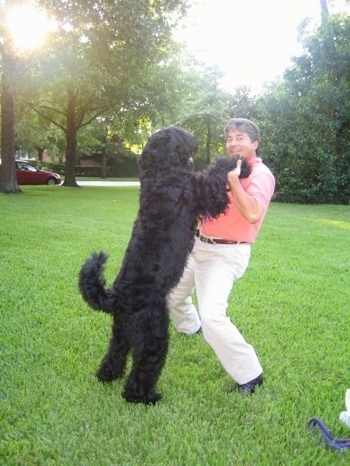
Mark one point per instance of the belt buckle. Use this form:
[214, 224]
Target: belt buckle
[207, 240]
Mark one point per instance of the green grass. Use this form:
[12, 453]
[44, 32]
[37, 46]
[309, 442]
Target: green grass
[292, 304]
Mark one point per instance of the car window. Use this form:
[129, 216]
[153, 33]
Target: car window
[28, 167]
[25, 167]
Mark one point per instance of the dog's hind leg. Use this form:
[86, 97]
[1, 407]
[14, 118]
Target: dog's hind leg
[113, 364]
[149, 354]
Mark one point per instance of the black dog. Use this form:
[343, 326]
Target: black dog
[172, 198]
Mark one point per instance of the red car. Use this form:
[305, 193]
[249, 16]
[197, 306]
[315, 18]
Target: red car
[28, 174]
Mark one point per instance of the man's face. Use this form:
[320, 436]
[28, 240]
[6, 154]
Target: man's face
[238, 144]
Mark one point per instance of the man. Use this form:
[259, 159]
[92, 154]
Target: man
[221, 255]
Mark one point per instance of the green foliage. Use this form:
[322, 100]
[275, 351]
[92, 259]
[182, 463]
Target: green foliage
[204, 109]
[306, 119]
[118, 72]
[97, 59]
[292, 305]
[123, 166]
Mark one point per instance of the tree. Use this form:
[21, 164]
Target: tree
[98, 60]
[204, 108]
[307, 119]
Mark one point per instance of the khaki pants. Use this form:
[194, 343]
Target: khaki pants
[211, 270]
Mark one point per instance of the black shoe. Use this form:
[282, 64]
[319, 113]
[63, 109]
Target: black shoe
[249, 387]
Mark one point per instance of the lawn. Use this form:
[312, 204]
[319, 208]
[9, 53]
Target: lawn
[293, 304]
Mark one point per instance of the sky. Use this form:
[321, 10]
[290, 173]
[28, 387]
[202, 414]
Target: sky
[252, 41]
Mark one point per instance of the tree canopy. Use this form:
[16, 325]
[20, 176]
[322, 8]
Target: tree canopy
[112, 68]
[98, 59]
[306, 119]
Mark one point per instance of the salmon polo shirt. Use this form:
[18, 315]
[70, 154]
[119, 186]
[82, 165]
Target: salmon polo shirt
[232, 225]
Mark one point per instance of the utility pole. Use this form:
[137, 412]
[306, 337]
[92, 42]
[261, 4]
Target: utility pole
[324, 10]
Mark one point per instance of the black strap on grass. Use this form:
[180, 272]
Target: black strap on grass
[334, 442]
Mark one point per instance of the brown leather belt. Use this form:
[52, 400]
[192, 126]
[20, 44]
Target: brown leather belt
[219, 240]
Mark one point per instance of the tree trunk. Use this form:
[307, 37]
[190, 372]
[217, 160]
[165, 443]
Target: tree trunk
[8, 180]
[41, 151]
[104, 161]
[71, 139]
[208, 142]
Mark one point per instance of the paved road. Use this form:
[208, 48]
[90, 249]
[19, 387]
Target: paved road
[108, 183]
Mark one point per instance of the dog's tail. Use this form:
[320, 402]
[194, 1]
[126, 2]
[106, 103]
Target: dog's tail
[92, 284]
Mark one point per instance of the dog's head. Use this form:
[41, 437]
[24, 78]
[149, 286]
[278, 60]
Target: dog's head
[168, 148]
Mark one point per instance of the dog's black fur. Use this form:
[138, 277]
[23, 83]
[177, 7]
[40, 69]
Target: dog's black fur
[172, 198]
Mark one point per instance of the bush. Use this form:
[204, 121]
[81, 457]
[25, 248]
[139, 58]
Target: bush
[123, 167]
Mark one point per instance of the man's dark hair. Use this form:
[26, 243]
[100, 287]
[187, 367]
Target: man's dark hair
[247, 126]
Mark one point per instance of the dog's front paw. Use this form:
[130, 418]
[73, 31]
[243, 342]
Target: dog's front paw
[245, 169]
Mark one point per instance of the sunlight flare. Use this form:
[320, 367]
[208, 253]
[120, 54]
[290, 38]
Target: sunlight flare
[28, 27]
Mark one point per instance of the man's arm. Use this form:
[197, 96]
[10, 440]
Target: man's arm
[249, 207]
